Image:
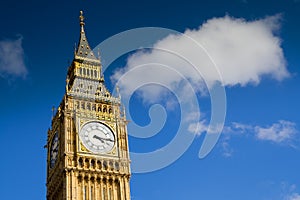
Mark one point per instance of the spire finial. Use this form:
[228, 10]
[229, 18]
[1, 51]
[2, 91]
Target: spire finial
[81, 18]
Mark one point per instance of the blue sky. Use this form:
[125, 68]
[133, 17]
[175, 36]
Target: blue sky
[255, 46]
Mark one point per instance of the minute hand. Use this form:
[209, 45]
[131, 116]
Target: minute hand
[108, 139]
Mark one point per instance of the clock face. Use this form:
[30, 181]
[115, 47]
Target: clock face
[54, 150]
[97, 137]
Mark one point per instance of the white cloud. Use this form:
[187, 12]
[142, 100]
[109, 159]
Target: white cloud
[289, 191]
[294, 196]
[227, 50]
[234, 129]
[243, 51]
[227, 150]
[237, 128]
[192, 116]
[279, 132]
[282, 131]
[198, 128]
[12, 58]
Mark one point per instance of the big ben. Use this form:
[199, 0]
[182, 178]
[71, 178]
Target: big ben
[88, 157]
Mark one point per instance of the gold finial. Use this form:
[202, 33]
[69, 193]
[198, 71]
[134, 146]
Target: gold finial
[81, 17]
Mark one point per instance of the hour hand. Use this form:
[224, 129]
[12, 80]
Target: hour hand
[99, 138]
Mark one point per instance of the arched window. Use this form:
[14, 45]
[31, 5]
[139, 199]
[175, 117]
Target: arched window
[99, 164]
[117, 166]
[80, 162]
[93, 163]
[87, 163]
[111, 165]
[105, 166]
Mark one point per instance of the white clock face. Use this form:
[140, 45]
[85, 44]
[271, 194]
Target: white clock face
[97, 137]
[54, 150]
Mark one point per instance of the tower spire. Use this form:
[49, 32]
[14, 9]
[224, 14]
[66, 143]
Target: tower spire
[83, 49]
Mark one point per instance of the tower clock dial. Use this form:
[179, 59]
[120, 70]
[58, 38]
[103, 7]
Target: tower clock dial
[97, 137]
[54, 150]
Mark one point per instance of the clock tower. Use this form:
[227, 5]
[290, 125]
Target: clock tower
[87, 157]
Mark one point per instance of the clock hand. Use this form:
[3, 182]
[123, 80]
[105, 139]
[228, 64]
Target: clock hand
[99, 138]
[108, 139]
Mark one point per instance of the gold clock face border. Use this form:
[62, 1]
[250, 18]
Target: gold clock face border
[86, 149]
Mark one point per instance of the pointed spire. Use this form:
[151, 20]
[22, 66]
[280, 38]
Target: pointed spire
[83, 49]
